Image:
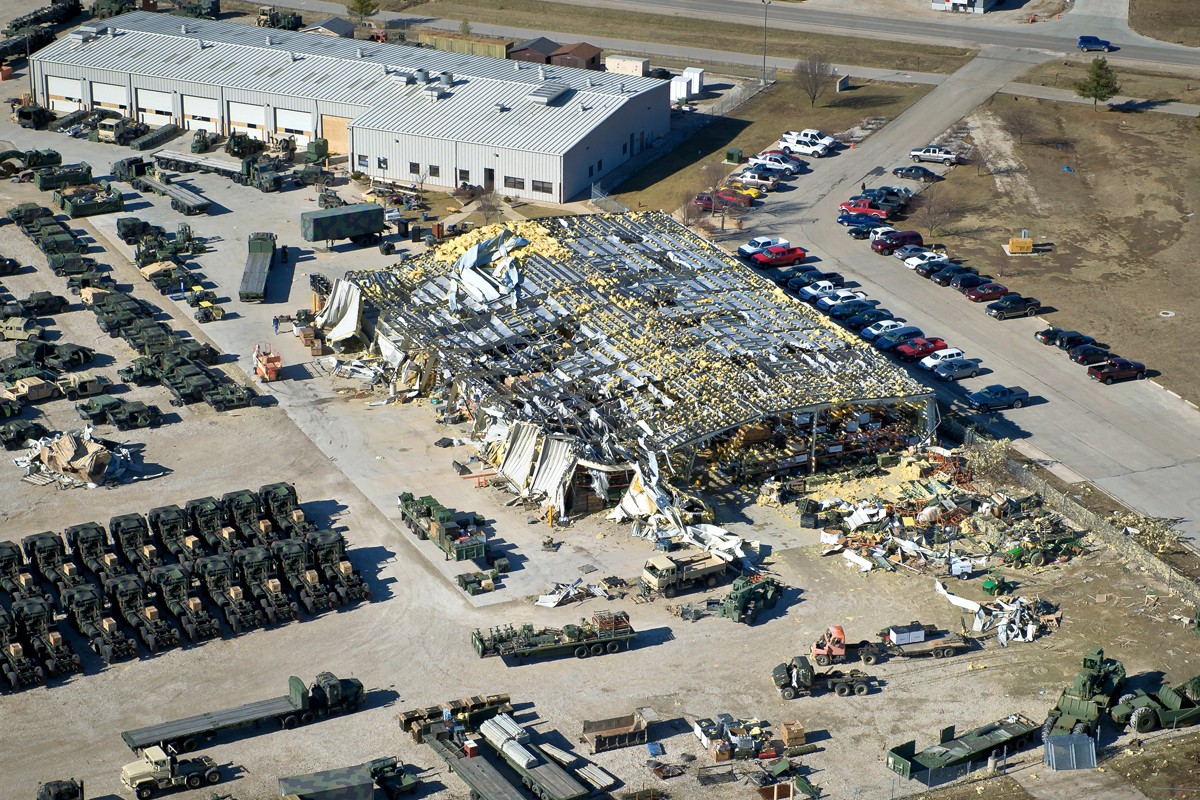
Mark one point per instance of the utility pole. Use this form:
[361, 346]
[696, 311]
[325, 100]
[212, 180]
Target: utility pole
[766, 5]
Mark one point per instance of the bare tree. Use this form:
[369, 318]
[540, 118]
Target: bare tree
[713, 174]
[689, 212]
[934, 210]
[489, 207]
[813, 75]
[421, 178]
[978, 157]
[1021, 122]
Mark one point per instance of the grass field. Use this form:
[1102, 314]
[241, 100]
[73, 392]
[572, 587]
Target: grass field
[1113, 196]
[667, 182]
[686, 32]
[1175, 21]
[1149, 85]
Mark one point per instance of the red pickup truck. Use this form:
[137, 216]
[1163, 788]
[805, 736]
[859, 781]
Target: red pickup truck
[779, 256]
[1117, 369]
[864, 207]
[919, 348]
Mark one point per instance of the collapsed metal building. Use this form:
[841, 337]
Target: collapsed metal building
[595, 353]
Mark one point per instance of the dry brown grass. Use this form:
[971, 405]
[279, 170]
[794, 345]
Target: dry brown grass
[1168, 20]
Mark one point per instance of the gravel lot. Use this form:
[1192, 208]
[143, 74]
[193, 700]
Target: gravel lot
[411, 646]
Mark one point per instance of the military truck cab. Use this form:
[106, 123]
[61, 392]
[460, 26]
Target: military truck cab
[156, 770]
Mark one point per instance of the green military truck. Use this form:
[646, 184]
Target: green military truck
[259, 260]
[1169, 707]
[1094, 690]
[606, 632]
[361, 223]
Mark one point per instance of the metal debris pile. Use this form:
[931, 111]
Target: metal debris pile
[1014, 619]
[560, 594]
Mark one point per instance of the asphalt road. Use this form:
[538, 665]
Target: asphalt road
[1135, 440]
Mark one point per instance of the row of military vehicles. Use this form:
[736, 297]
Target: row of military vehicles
[182, 365]
[251, 559]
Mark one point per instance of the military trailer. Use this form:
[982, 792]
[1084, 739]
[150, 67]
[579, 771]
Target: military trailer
[174, 587]
[259, 260]
[611, 734]
[361, 223]
[130, 599]
[385, 774]
[58, 11]
[606, 632]
[184, 200]
[1094, 691]
[86, 610]
[482, 778]
[250, 171]
[1008, 735]
[1169, 707]
[546, 779]
[460, 538]
[48, 179]
[326, 696]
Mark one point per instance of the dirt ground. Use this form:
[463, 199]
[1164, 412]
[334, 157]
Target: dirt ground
[1168, 20]
[669, 181]
[1164, 768]
[1182, 85]
[1111, 197]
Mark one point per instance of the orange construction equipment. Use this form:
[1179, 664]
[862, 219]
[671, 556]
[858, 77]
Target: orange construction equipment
[267, 362]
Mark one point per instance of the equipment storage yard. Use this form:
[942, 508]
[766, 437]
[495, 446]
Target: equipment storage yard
[410, 646]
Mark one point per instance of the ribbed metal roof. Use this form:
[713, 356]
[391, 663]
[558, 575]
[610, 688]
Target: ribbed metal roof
[364, 74]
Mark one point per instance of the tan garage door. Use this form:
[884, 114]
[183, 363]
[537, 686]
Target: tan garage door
[335, 131]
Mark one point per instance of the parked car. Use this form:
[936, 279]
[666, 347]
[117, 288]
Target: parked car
[817, 289]
[752, 192]
[1048, 336]
[867, 318]
[794, 142]
[1086, 43]
[866, 207]
[801, 282]
[843, 311]
[919, 347]
[779, 161]
[760, 243]
[933, 153]
[882, 230]
[997, 396]
[852, 218]
[798, 162]
[955, 369]
[20, 328]
[889, 341]
[986, 292]
[720, 199]
[915, 172]
[889, 242]
[964, 281]
[1117, 369]
[781, 275]
[1014, 305]
[812, 136]
[863, 231]
[888, 202]
[931, 361]
[943, 274]
[827, 302]
[779, 256]
[1089, 354]
[909, 250]
[762, 180]
[1068, 340]
[879, 328]
[927, 257]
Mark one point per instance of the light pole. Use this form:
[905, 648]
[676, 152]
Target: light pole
[766, 5]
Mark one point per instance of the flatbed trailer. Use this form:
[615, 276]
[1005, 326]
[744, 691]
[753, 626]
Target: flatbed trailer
[192, 162]
[917, 641]
[260, 257]
[606, 632]
[481, 776]
[1009, 734]
[546, 779]
[182, 199]
[301, 705]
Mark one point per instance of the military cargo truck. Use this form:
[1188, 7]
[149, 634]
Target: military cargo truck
[156, 770]
[174, 587]
[86, 610]
[327, 696]
[361, 223]
[259, 260]
[130, 599]
[35, 620]
[1094, 690]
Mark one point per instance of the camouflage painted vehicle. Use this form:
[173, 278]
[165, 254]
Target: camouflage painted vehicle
[387, 774]
[228, 395]
[14, 434]
[14, 579]
[85, 608]
[242, 513]
[35, 620]
[142, 371]
[187, 383]
[129, 598]
[66, 264]
[130, 536]
[291, 557]
[282, 506]
[1168, 707]
[91, 279]
[257, 569]
[174, 588]
[48, 179]
[1094, 691]
[132, 230]
[218, 576]
[18, 669]
[122, 414]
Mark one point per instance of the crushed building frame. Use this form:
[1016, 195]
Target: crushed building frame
[625, 339]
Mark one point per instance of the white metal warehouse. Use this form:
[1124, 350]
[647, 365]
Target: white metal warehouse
[401, 113]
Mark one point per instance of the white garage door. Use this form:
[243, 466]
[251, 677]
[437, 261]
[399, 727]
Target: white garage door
[248, 119]
[201, 112]
[65, 94]
[154, 108]
[110, 95]
[294, 123]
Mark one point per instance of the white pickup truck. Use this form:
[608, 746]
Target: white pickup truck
[812, 136]
[797, 142]
[761, 243]
[933, 153]
[816, 291]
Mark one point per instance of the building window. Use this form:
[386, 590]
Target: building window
[364, 162]
[435, 171]
[624, 148]
[381, 162]
[600, 165]
[464, 176]
[513, 183]
[414, 168]
[591, 170]
[293, 131]
[545, 187]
